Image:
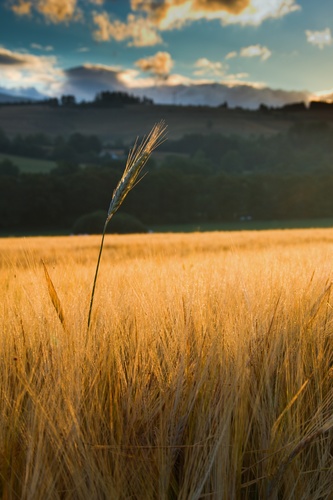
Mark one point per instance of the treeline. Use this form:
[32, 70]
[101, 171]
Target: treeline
[177, 191]
[75, 148]
[306, 147]
[104, 99]
[201, 179]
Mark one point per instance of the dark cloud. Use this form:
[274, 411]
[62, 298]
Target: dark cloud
[160, 8]
[8, 58]
[232, 6]
[170, 14]
[87, 80]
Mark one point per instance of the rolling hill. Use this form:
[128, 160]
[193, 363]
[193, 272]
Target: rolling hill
[126, 123]
[131, 121]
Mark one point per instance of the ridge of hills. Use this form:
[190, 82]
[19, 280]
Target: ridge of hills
[126, 123]
[11, 99]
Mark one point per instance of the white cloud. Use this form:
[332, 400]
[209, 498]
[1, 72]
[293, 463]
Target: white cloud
[37, 46]
[231, 55]
[256, 51]
[319, 38]
[204, 66]
[29, 70]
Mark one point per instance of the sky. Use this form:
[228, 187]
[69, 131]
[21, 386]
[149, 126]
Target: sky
[243, 52]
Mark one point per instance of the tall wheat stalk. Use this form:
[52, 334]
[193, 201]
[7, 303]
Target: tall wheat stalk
[137, 159]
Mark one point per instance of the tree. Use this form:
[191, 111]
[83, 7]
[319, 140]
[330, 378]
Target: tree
[68, 101]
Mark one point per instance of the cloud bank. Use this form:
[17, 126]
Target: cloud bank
[23, 69]
[85, 81]
[152, 78]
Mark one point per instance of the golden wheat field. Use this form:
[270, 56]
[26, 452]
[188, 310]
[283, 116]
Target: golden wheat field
[206, 372]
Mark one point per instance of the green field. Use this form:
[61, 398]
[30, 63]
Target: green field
[253, 225]
[193, 228]
[29, 165]
[112, 124]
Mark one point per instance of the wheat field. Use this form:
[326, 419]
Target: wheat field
[206, 371]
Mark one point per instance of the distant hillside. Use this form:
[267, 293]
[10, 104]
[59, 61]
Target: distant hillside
[11, 98]
[128, 122]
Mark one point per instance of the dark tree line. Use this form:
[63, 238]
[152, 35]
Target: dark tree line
[105, 99]
[75, 148]
[167, 195]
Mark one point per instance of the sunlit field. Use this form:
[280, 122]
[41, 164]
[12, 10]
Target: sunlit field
[206, 372]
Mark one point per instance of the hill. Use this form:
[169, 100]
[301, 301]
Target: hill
[7, 98]
[130, 121]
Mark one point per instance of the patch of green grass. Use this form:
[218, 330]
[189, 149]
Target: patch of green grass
[29, 165]
[243, 225]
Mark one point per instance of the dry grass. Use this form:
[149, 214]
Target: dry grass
[206, 374]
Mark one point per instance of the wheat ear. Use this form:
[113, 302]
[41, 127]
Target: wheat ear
[137, 159]
[54, 296]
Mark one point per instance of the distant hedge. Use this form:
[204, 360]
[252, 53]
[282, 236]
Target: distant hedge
[93, 223]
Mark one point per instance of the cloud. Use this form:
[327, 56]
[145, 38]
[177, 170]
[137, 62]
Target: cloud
[319, 38]
[170, 14]
[231, 55]
[87, 80]
[46, 48]
[22, 8]
[158, 65]
[55, 11]
[9, 58]
[206, 67]
[28, 70]
[149, 17]
[256, 51]
[138, 30]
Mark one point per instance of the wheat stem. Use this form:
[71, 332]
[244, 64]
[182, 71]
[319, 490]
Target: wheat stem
[137, 159]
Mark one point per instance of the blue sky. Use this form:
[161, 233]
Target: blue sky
[242, 51]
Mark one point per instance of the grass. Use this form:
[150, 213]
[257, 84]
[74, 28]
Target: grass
[202, 227]
[207, 372]
[29, 165]
[123, 124]
[253, 225]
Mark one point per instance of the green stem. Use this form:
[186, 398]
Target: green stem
[96, 273]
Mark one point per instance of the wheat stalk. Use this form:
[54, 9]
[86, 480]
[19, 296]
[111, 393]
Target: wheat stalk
[54, 296]
[137, 159]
